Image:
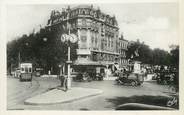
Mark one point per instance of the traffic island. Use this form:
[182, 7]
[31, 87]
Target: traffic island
[57, 95]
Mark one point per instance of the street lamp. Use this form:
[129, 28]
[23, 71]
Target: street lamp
[45, 39]
[70, 38]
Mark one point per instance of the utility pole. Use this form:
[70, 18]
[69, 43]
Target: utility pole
[19, 60]
[69, 62]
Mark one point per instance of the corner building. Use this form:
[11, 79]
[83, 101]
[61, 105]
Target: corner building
[97, 33]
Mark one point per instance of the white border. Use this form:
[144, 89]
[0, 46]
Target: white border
[3, 107]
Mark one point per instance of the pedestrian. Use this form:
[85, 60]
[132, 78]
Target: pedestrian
[65, 83]
[63, 79]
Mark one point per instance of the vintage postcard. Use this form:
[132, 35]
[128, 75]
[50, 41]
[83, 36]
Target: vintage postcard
[92, 56]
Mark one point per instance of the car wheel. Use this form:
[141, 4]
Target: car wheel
[133, 83]
[137, 83]
[172, 89]
[122, 83]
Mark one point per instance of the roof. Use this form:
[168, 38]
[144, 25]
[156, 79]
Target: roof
[82, 6]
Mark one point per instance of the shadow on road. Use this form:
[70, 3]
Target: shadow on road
[144, 99]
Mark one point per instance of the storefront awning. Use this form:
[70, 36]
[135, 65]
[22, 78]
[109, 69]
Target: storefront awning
[88, 63]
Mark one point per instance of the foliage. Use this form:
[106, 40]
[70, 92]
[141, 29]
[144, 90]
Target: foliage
[175, 55]
[44, 49]
[153, 56]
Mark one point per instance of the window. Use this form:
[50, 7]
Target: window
[83, 38]
[92, 39]
[30, 70]
[22, 69]
[26, 69]
[83, 46]
[83, 12]
[83, 21]
[94, 57]
[109, 42]
[105, 43]
[83, 32]
[83, 35]
[96, 39]
[83, 56]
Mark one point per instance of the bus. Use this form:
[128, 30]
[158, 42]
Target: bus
[25, 72]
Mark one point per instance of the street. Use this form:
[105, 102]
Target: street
[112, 96]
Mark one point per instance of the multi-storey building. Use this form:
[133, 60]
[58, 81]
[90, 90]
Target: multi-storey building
[97, 33]
[122, 51]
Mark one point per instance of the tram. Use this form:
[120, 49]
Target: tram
[25, 72]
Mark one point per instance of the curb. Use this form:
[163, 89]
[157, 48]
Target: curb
[64, 101]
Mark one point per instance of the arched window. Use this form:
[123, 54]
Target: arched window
[83, 12]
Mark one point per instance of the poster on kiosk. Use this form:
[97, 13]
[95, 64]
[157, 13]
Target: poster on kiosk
[137, 67]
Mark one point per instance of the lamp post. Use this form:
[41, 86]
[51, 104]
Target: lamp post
[45, 39]
[70, 38]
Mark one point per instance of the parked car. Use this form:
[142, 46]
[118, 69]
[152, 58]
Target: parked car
[131, 79]
[83, 77]
[99, 77]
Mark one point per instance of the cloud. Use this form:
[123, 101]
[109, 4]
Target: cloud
[157, 23]
[154, 31]
[22, 19]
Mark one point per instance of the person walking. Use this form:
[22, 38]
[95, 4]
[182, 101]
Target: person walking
[65, 83]
[63, 79]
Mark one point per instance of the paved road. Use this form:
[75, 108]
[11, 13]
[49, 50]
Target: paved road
[19, 91]
[113, 94]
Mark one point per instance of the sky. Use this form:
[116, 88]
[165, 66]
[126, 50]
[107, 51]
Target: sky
[155, 24]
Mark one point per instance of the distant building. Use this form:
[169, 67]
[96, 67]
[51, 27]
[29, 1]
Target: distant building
[97, 33]
[122, 51]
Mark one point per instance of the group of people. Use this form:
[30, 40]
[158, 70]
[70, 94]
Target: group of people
[167, 76]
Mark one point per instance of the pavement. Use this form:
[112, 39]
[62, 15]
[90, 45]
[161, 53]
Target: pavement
[113, 95]
[58, 95]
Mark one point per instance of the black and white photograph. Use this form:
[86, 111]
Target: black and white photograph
[93, 56]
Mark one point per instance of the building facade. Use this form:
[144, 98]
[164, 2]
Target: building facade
[97, 32]
[123, 44]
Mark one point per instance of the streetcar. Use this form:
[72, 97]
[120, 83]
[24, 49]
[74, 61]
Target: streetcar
[25, 72]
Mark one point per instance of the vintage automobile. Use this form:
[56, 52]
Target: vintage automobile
[132, 79]
[83, 77]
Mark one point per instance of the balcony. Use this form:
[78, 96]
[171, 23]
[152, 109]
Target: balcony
[83, 52]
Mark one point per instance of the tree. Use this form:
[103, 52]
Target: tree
[44, 49]
[161, 57]
[175, 55]
[139, 51]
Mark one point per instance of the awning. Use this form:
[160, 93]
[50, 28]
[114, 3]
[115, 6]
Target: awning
[88, 63]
